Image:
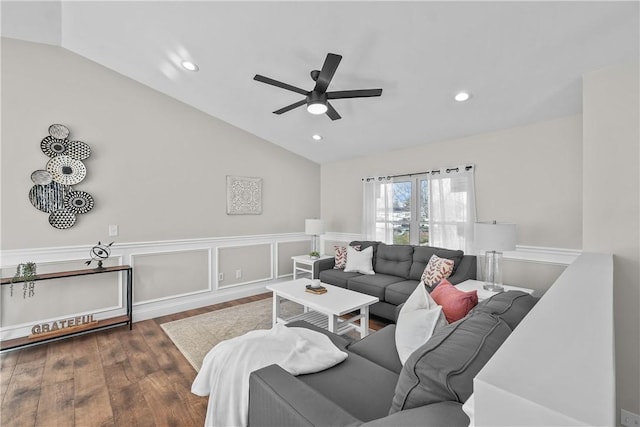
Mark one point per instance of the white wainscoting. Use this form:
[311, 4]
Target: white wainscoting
[171, 299]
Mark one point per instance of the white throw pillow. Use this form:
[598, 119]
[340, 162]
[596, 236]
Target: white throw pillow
[359, 261]
[418, 319]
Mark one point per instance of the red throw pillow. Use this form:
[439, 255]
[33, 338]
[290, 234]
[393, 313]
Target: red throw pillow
[455, 303]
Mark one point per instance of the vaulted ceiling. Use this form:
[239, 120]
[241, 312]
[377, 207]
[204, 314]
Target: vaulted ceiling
[521, 61]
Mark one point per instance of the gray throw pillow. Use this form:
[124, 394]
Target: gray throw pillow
[444, 367]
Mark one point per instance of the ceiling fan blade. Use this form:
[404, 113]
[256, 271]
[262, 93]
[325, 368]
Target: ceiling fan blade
[361, 93]
[332, 113]
[328, 70]
[272, 82]
[290, 107]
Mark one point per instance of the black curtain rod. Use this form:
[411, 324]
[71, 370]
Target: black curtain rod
[432, 172]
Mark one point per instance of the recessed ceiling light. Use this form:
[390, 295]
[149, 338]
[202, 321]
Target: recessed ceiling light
[187, 65]
[462, 96]
[317, 137]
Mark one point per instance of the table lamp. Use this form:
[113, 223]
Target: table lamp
[494, 238]
[314, 228]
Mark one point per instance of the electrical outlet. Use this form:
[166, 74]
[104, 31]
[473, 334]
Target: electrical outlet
[113, 230]
[629, 419]
[238, 274]
[220, 277]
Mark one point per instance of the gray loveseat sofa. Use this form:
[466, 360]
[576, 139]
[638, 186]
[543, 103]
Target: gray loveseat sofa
[398, 269]
[372, 388]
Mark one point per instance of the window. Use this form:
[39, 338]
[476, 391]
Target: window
[435, 208]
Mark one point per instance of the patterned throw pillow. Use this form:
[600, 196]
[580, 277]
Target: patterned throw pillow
[341, 256]
[436, 270]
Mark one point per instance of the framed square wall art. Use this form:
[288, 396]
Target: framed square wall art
[244, 195]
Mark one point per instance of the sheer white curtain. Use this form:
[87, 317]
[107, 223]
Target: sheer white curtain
[377, 209]
[452, 208]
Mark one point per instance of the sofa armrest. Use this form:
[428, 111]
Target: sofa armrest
[277, 398]
[467, 269]
[448, 414]
[324, 264]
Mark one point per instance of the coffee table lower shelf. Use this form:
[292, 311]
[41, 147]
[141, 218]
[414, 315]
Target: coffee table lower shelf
[322, 321]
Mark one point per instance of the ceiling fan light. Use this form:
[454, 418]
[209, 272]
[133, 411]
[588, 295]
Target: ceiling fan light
[317, 108]
[190, 66]
[462, 96]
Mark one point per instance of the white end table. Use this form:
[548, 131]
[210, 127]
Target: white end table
[470, 285]
[305, 264]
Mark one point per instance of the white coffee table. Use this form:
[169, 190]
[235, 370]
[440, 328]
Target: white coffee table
[324, 310]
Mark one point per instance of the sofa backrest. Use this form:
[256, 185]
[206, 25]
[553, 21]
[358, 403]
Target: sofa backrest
[394, 260]
[510, 306]
[422, 254]
[444, 367]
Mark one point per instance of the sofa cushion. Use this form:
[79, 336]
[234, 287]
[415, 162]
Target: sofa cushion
[380, 348]
[422, 255]
[397, 293]
[443, 369]
[362, 387]
[372, 284]
[510, 306]
[336, 277]
[394, 260]
[455, 303]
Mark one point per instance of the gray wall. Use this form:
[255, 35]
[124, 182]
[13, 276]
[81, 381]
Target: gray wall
[157, 168]
[530, 175]
[612, 207]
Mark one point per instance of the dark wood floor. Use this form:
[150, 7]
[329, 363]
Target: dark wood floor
[109, 378]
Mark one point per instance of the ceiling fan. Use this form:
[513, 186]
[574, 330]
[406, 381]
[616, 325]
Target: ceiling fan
[317, 100]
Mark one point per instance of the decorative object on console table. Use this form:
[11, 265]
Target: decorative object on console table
[99, 253]
[494, 238]
[314, 228]
[25, 273]
[244, 195]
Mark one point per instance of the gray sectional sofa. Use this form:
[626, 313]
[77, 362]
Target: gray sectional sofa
[372, 388]
[398, 269]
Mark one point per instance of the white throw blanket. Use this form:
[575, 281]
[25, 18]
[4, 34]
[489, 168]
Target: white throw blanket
[224, 375]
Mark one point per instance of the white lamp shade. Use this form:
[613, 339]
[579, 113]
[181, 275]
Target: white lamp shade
[492, 236]
[313, 227]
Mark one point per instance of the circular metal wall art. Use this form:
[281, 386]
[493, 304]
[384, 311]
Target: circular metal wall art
[66, 170]
[53, 147]
[78, 150]
[59, 131]
[48, 198]
[79, 202]
[62, 219]
[52, 192]
[41, 177]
